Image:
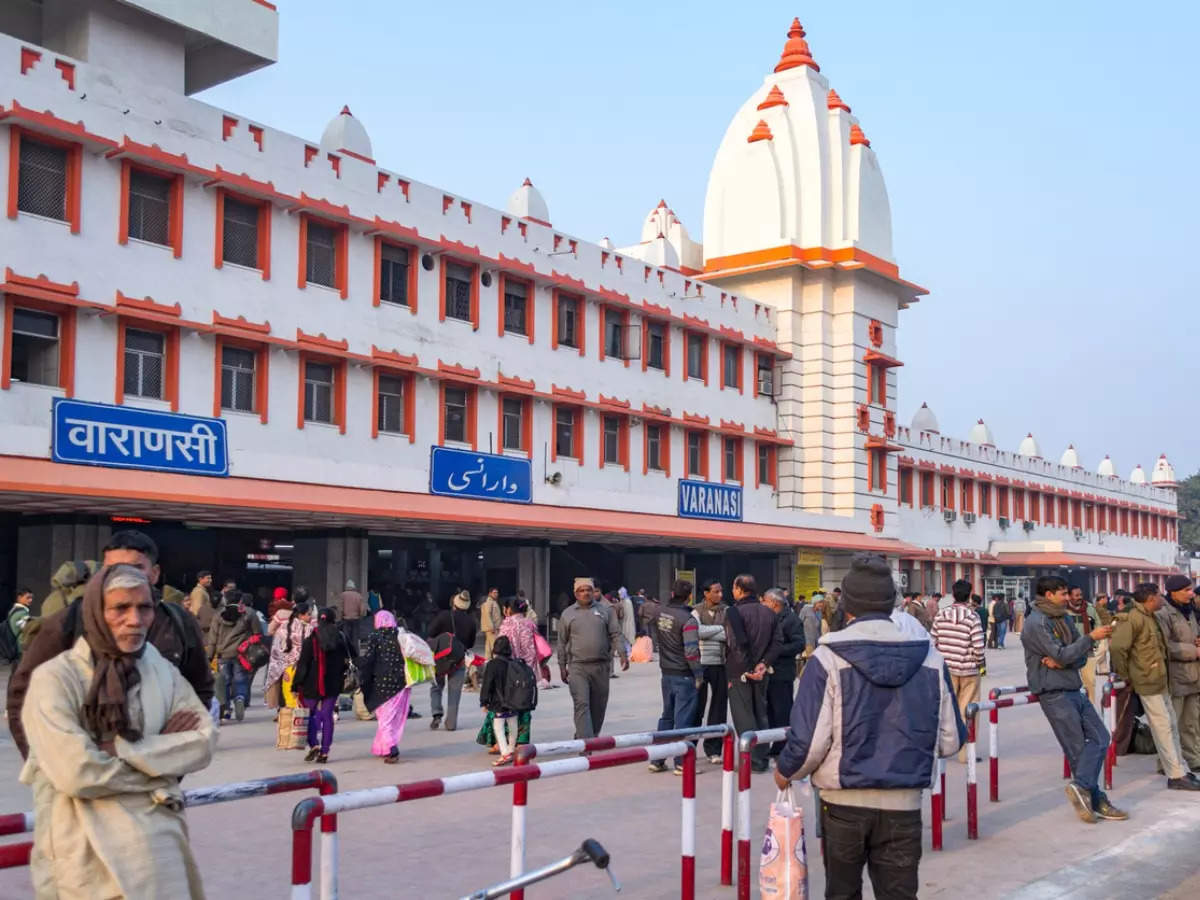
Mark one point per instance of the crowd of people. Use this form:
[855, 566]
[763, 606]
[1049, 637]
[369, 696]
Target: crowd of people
[120, 689]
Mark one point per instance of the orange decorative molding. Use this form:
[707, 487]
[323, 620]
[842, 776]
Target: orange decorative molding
[765, 432]
[457, 371]
[877, 517]
[395, 229]
[67, 71]
[651, 410]
[730, 425]
[309, 153]
[512, 381]
[613, 401]
[875, 332]
[696, 321]
[447, 202]
[857, 136]
[29, 58]
[864, 417]
[148, 304]
[319, 340]
[656, 309]
[256, 133]
[695, 418]
[881, 359]
[509, 262]
[41, 283]
[760, 133]
[567, 393]
[505, 221]
[381, 178]
[321, 207]
[395, 358]
[241, 323]
[567, 281]
[833, 101]
[889, 424]
[47, 121]
[774, 98]
[734, 333]
[228, 124]
[795, 51]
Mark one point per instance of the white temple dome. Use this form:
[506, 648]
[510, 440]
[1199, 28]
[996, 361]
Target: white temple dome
[1029, 447]
[794, 168]
[981, 434]
[1106, 468]
[527, 202]
[657, 252]
[925, 420]
[1138, 475]
[1070, 457]
[345, 134]
[1164, 473]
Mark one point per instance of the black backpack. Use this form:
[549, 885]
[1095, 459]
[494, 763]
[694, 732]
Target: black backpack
[10, 650]
[1000, 610]
[519, 693]
[448, 653]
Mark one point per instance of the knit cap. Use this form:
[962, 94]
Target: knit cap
[868, 586]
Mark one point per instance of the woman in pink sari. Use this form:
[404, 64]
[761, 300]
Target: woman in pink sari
[384, 686]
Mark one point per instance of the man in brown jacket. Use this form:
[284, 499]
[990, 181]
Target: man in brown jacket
[174, 633]
[199, 602]
[1177, 618]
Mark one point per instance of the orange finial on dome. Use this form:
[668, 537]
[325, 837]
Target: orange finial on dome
[833, 101]
[760, 133]
[774, 98]
[857, 137]
[795, 51]
[346, 111]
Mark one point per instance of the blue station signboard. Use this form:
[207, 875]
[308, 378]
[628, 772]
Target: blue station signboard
[709, 500]
[480, 476]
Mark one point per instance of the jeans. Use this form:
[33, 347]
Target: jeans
[321, 719]
[1001, 630]
[235, 682]
[680, 700]
[718, 708]
[453, 680]
[1081, 734]
[887, 842]
[748, 705]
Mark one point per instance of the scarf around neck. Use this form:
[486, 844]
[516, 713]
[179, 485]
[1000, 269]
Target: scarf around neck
[1188, 611]
[106, 705]
[1058, 619]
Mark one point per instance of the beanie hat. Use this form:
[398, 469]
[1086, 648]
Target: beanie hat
[868, 586]
[280, 593]
[1178, 583]
[462, 600]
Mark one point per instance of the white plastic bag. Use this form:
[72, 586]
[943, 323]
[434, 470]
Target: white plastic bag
[783, 866]
[414, 648]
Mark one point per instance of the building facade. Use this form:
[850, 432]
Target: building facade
[293, 363]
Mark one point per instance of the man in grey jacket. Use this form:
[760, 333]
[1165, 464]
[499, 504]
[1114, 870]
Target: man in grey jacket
[1178, 620]
[588, 638]
[714, 692]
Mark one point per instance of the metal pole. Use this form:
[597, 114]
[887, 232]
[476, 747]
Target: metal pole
[936, 801]
[746, 744]
[728, 789]
[994, 754]
[687, 874]
[516, 862]
[972, 800]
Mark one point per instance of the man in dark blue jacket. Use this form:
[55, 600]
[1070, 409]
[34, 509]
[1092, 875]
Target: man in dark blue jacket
[751, 641]
[873, 713]
[782, 680]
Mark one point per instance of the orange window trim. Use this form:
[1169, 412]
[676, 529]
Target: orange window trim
[664, 448]
[687, 335]
[74, 173]
[340, 372]
[576, 431]
[739, 469]
[530, 306]
[526, 423]
[262, 379]
[702, 472]
[474, 269]
[666, 355]
[170, 349]
[741, 384]
[622, 437]
[759, 357]
[264, 231]
[772, 464]
[413, 254]
[409, 400]
[341, 278]
[906, 480]
[604, 312]
[174, 205]
[66, 339]
[472, 409]
[580, 321]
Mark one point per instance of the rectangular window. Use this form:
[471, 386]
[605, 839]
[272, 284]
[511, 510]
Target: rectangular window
[764, 375]
[239, 233]
[566, 432]
[34, 358]
[1018, 497]
[42, 184]
[237, 377]
[1064, 512]
[695, 455]
[145, 363]
[393, 274]
[614, 437]
[513, 428]
[654, 448]
[569, 311]
[766, 465]
[906, 487]
[318, 392]
[455, 415]
[732, 460]
[390, 407]
[516, 307]
[967, 495]
[321, 255]
[927, 489]
[614, 333]
[697, 349]
[1048, 505]
[150, 207]
[877, 384]
[656, 344]
[731, 366]
[947, 492]
[1035, 506]
[985, 499]
[1002, 502]
[458, 292]
[878, 473]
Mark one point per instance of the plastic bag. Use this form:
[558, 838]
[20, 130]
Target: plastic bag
[643, 649]
[544, 650]
[415, 672]
[414, 648]
[783, 866]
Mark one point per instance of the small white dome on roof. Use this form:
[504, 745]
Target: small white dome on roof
[1029, 447]
[1070, 457]
[925, 420]
[658, 252]
[1138, 475]
[606, 244]
[1106, 468]
[345, 134]
[527, 202]
[662, 220]
[1164, 472]
[981, 434]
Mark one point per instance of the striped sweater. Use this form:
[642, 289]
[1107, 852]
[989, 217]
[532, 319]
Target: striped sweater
[958, 636]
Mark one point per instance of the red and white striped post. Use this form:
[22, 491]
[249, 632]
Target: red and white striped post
[972, 774]
[1110, 720]
[728, 788]
[997, 692]
[746, 743]
[687, 837]
[306, 812]
[16, 823]
[993, 753]
[937, 802]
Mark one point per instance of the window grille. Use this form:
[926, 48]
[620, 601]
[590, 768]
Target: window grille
[318, 393]
[320, 255]
[514, 415]
[654, 447]
[42, 185]
[766, 376]
[695, 356]
[733, 366]
[568, 321]
[764, 467]
[144, 363]
[149, 207]
[614, 336]
[455, 415]
[656, 336]
[516, 300]
[391, 404]
[239, 233]
[458, 292]
[694, 455]
[731, 460]
[237, 378]
[393, 275]
[564, 432]
[35, 351]
[612, 439]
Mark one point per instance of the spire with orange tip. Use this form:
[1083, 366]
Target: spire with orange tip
[857, 137]
[774, 98]
[833, 101]
[795, 51]
[760, 133]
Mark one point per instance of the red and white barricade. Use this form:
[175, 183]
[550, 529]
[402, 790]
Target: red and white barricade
[1109, 706]
[327, 807]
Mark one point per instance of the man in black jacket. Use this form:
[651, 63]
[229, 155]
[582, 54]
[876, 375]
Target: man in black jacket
[751, 639]
[782, 679]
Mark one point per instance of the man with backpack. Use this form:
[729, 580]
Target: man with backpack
[1001, 615]
[174, 632]
[233, 625]
[18, 618]
[451, 635]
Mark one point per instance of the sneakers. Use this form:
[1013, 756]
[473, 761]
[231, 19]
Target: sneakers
[1109, 812]
[322, 759]
[1188, 783]
[313, 753]
[715, 759]
[436, 722]
[239, 708]
[678, 769]
[658, 766]
[1082, 803]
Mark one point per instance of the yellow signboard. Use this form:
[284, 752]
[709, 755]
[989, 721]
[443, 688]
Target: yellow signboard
[806, 581]
[688, 575]
[809, 557]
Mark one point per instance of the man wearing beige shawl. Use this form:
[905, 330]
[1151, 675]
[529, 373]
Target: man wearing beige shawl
[112, 727]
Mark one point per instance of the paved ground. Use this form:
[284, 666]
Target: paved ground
[1031, 845]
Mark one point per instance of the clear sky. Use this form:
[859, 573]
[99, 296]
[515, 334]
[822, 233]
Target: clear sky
[1038, 157]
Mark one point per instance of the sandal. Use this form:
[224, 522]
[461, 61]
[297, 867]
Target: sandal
[493, 751]
[503, 760]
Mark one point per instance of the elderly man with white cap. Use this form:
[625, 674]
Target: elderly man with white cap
[588, 638]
